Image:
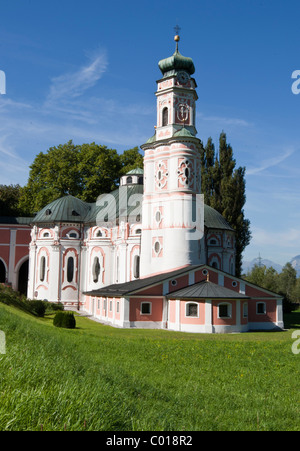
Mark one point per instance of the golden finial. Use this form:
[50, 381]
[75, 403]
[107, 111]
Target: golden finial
[177, 37]
[207, 278]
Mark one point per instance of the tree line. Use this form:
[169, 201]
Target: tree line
[285, 283]
[88, 170]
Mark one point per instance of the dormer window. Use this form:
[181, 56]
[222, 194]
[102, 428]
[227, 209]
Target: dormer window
[73, 234]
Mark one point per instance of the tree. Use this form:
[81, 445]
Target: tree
[264, 277]
[84, 171]
[224, 189]
[287, 280]
[131, 159]
[9, 200]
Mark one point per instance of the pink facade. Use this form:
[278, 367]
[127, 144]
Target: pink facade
[14, 252]
[171, 304]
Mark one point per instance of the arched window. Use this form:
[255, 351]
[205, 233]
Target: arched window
[215, 265]
[191, 310]
[96, 269]
[261, 308]
[224, 310]
[2, 272]
[129, 180]
[136, 267]
[42, 269]
[165, 117]
[70, 269]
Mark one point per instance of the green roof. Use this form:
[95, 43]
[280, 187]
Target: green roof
[184, 132]
[110, 206]
[136, 171]
[65, 209]
[214, 220]
[175, 63]
[15, 220]
[71, 209]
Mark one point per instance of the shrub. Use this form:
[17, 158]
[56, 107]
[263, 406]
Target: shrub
[38, 308]
[65, 320]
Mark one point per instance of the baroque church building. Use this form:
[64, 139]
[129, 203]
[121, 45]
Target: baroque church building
[151, 254]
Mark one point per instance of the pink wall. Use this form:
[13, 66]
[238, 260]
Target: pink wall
[135, 309]
[270, 315]
[192, 320]
[224, 321]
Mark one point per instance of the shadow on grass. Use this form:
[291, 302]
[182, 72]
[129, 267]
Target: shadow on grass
[292, 320]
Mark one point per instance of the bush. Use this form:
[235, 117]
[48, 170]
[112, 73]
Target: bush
[38, 308]
[65, 320]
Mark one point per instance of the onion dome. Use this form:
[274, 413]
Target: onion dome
[176, 63]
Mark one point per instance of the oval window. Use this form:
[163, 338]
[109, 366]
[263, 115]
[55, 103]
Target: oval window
[70, 269]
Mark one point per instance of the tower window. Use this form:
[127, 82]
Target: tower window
[42, 269]
[70, 269]
[165, 117]
[136, 267]
[96, 270]
[129, 180]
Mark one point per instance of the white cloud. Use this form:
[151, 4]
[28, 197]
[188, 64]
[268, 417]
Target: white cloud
[72, 85]
[271, 162]
[224, 120]
[285, 239]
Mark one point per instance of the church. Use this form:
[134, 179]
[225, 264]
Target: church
[151, 254]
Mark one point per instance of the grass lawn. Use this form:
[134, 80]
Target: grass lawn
[97, 377]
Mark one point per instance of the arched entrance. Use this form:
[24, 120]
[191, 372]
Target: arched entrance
[23, 278]
[2, 272]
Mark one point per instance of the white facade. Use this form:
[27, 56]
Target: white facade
[161, 222]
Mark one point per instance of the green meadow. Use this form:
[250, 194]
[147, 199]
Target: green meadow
[100, 378]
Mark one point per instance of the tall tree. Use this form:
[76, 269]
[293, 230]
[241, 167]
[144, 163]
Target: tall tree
[84, 171]
[9, 200]
[224, 189]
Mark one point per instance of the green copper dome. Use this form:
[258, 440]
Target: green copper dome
[65, 209]
[176, 63]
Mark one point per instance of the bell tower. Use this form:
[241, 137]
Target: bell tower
[173, 209]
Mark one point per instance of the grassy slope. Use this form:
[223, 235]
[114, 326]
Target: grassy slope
[100, 378]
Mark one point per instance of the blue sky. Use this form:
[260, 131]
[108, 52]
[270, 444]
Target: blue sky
[87, 71]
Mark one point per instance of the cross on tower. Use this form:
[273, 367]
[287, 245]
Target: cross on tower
[177, 29]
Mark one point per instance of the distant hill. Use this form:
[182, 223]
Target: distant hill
[247, 266]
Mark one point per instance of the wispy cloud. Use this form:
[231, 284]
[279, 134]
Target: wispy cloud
[72, 85]
[225, 120]
[271, 162]
[284, 239]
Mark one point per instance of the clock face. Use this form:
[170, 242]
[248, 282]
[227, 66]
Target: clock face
[182, 77]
